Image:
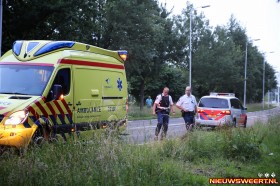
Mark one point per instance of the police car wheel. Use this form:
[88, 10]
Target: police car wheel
[245, 123]
[234, 123]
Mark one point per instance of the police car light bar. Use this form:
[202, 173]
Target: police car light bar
[222, 94]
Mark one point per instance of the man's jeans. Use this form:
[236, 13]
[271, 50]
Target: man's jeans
[163, 119]
[189, 118]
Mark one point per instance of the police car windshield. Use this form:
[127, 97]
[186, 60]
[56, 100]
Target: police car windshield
[24, 79]
[213, 103]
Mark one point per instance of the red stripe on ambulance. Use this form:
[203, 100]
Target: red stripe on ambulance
[42, 109]
[90, 63]
[59, 108]
[31, 109]
[67, 107]
[51, 109]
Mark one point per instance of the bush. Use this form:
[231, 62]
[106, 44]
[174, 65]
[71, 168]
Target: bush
[242, 144]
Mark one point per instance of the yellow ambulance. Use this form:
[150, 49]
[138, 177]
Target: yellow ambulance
[50, 88]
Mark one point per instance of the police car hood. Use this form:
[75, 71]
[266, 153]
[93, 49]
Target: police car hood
[12, 103]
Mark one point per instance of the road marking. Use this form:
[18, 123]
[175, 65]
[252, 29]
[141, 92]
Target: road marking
[179, 124]
[254, 116]
[154, 126]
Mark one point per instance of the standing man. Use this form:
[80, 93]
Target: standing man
[149, 102]
[162, 106]
[188, 106]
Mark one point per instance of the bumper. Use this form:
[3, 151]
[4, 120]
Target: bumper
[16, 137]
[213, 123]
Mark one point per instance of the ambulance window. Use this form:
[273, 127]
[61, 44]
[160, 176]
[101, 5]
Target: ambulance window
[63, 78]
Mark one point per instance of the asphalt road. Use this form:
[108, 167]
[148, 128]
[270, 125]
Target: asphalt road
[143, 131]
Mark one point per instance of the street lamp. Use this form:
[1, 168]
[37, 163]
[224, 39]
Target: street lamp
[245, 73]
[278, 87]
[264, 77]
[190, 55]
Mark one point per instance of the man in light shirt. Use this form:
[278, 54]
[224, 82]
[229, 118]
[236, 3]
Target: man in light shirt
[188, 106]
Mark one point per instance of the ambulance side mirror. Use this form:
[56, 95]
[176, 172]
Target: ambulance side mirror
[57, 91]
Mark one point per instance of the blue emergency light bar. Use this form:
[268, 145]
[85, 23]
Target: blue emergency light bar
[17, 47]
[54, 45]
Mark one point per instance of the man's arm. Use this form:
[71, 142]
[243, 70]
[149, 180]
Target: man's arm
[171, 105]
[195, 107]
[172, 109]
[179, 107]
[154, 108]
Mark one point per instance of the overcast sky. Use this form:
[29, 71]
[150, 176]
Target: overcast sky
[261, 18]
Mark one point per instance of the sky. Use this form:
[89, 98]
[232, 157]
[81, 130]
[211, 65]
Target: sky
[260, 18]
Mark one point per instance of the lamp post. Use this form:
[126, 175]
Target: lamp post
[190, 54]
[278, 86]
[245, 73]
[264, 77]
[278, 96]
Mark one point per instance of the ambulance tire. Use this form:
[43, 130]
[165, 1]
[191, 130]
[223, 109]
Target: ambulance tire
[38, 137]
[42, 134]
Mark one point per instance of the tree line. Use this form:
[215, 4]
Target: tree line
[157, 42]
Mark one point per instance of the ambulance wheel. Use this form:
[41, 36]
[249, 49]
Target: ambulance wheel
[42, 134]
[38, 137]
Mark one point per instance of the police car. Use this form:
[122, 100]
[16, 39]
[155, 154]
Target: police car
[219, 109]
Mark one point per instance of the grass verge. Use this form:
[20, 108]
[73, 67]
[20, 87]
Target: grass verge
[252, 107]
[105, 159]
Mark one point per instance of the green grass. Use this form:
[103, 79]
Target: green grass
[105, 159]
[252, 107]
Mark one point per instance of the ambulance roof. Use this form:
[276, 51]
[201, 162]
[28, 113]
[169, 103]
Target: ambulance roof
[52, 51]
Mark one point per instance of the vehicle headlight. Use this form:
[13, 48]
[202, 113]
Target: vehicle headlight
[17, 118]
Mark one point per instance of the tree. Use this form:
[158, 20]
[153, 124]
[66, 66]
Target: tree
[144, 31]
[76, 20]
[158, 44]
[255, 64]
